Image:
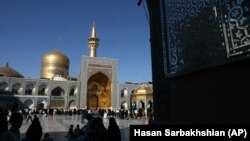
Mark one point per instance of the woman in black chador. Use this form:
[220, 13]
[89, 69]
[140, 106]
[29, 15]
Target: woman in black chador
[3, 122]
[114, 132]
[34, 132]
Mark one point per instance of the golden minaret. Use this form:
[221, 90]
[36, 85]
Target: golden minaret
[93, 42]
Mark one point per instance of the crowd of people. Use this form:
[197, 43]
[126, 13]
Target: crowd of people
[103, 113]
[34, 132]
[93, 130]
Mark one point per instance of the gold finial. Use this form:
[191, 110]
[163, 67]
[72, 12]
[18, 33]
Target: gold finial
[6, 64]
[58, 42]
[93, 32]
[93, 42]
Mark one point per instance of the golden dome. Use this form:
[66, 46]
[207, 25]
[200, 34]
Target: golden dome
[7, 71]
[143, 89]
[55, 57]
[54, 63]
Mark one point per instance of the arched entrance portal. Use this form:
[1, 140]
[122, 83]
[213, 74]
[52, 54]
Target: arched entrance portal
[58, 91]
[41, 104]
[99, 91]
[29, 104]
[72, 104]
[57, 98]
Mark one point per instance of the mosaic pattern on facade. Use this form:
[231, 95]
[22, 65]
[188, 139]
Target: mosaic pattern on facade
[198, 34]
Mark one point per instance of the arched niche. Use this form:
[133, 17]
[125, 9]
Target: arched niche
[58, 91]
[72, 104]
[4, 87]
[124, 93]
[99, 91]
[29, 89]
[41, 104]
[73, 91]
[16, 88]
[29, 104]
[43, 89]
[124, 105]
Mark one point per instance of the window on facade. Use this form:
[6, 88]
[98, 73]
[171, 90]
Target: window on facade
[15, 88]
[124, 93]
[28, 89]
[3, 86]
[57, 92]
[72, 91]
[41, 90]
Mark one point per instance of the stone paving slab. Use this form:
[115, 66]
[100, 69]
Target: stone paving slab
[58, 126]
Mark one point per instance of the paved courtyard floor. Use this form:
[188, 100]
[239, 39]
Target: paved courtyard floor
[58, 126]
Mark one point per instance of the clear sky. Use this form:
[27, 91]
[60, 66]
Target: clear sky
[30, 28]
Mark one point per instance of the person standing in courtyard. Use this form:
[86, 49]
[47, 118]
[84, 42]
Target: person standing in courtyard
[13, 134]
[30, 116]
[114, 132]
[3, 122]
[82, 116]
[34, 132]
[98, 131]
